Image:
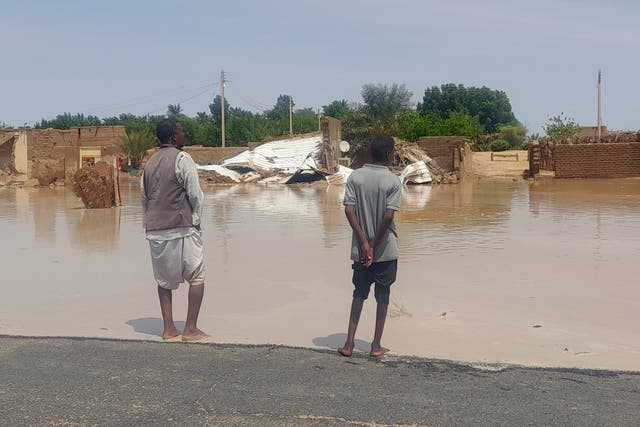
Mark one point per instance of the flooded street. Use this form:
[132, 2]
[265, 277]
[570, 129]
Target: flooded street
[490, 271]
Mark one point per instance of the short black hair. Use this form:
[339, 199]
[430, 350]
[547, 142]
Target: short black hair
[380, 148]
[166, 128]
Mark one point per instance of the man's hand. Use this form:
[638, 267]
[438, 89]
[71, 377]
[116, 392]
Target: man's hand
[366, 254]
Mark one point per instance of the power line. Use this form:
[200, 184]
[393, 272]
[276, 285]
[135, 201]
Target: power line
[182, 101]
[144, 99]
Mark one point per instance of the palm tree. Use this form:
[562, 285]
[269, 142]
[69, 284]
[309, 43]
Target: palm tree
[174, 111]
[135, 145]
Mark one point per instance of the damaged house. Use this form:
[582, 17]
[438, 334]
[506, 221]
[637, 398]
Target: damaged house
[51, 155]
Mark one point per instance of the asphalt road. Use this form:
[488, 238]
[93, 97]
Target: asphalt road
[62, 381]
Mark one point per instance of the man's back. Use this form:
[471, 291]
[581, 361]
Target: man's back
[373, 189]
[166, 202]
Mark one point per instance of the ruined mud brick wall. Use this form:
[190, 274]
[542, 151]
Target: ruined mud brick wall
[7, 140]
[54, 153]
[98, 136]
[202, 155]
[211, 155]
[46, 158]
[441, 149]
[597, 160]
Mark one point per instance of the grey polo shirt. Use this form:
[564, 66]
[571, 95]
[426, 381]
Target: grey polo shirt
[373, 189]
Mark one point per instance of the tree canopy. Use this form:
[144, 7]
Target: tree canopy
[492, 107]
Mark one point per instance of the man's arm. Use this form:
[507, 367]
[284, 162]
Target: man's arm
[393, 204]
[187, 175]
[366, 251]
[143, 196]
[382, 228]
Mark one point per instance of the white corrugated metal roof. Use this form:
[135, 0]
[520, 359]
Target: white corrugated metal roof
[287, 155]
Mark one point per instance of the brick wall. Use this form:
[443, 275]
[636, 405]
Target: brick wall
[597, 160]
[441, 149]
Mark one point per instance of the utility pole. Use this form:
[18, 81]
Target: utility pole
[599, 105]
[290, 115]
[319, 127]
[222, 104]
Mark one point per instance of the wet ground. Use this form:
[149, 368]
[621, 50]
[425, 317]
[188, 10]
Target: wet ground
[538, 274]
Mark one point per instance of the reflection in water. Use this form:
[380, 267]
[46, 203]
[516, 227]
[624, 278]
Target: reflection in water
[95, 229]
[44, 211]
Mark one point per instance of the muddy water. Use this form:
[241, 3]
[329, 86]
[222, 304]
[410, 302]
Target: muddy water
[537, 274]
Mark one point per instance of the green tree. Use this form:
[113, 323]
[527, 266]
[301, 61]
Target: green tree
[281, 108]
[492, 107]
[561, 127]
[68, 120]
[357, 127]
[278, 117]
[305, 120]
[382, 103]
[135, 145]
[514, 135]
[174, 111]
[245, 126]
[337, 109]
[412, 125]
[215, 108]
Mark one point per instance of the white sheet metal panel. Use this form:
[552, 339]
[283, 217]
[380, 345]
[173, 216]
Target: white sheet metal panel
[340, 177]
[286, 156]
[417, 173]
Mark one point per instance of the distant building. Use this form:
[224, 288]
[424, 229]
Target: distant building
[54, 154]
[591, 131]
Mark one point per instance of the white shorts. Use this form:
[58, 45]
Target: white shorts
[178, 260]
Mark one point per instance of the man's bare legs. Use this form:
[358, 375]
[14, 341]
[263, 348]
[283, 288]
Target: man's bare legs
[170, 330]
[354, 318]
[191, 331]
[381, 315]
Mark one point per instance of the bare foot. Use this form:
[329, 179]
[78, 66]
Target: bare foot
[170, 334]
[379, 351]
[346, 352]
[194, 335]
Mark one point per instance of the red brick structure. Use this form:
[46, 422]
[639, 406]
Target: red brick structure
[443, 149]
[597, 160]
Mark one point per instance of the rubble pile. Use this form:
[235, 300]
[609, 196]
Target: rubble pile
[298, 160]
[95, 186]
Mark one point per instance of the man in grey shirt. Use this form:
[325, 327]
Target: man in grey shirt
[372, 196]
[172, 206]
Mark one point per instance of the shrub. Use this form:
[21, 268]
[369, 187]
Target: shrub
[499, 145]
[525, 145]
[515, 135]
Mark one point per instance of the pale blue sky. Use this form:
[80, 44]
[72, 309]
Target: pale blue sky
[108, 57]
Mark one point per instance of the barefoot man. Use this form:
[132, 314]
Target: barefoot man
[172, 206]
[372, 196]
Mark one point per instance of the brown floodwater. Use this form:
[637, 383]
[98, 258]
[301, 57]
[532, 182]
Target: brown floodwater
[542, 273]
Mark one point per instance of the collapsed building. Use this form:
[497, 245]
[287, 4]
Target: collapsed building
[55, 155]
[309, 158]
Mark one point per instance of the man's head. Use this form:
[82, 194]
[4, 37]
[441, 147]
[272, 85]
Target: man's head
[169, 131]
[382, 149]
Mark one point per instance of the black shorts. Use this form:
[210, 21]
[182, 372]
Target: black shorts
[383, 274]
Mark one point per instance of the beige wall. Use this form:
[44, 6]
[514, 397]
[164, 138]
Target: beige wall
[20, 153]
